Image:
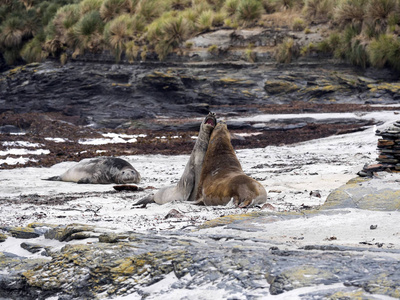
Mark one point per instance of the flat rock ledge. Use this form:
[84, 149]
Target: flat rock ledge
[380, 193]
[231, 256]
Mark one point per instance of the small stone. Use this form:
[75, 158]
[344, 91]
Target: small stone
[111, 238]
[268, 206]
[32, 248]
[22, 232]
[372, 227]
[315, 194]
[388, 160]
[173, 213]
[3, 237]
[390, 151]
[362, 173]
[384, 143]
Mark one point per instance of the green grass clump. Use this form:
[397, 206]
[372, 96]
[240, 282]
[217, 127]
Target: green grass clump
[111, 9]
[230, 7]
[320, 11]
[11, 33]
[378, 13]
[385, 51]
[32, 51]
[287, 51]
[87, 6]
[88, 32]
[350, 12]
[213, 49]
[179, 4]
[205, 20]
[168, 33]
[250, 55]
[249, 11]
[116, 34]
[298, 24]
[131, 51]
[150, 9]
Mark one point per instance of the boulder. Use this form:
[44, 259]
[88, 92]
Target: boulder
[377, 193]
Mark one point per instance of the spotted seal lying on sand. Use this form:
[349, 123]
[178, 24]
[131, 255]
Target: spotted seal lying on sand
[222, 178]
[186, 188]
[100, 170]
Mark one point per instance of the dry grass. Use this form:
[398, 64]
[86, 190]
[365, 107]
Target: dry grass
[280, 19]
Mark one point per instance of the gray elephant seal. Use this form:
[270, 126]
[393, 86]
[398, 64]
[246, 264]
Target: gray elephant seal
[186, 188]
[100, 170]
[222, 178]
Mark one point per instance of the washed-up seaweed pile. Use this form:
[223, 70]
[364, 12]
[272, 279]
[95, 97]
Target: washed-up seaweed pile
[389, 151]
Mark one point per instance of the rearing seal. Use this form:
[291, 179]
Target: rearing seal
[100, 170]
[187, 186]
[222, 178]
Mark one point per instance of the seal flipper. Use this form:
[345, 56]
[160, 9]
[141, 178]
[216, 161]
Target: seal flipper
[199, 202]
[54, 178]
[144, 201]
[84, 180]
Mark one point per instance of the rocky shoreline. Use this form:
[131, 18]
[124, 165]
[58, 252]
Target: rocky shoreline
[105, 262]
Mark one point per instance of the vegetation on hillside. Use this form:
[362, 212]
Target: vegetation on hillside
[363, 32]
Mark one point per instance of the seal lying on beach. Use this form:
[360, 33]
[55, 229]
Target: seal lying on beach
[222, 178]
[186, 188]
[100, 170]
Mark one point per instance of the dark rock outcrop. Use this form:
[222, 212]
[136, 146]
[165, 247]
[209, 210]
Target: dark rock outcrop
[111, 95]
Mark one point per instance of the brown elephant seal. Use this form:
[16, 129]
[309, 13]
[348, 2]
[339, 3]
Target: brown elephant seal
[222, 178]
[100, 170]
[186, 188]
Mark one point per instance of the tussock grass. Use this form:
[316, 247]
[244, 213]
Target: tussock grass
[287, 51]
[249, 11]
[11, 33]
[32, 51]
[87, 6]
[111, 9]
[350, 12]
[205, 20]
[366, 32]
[230, 7]
[385, 51]
[320, 11]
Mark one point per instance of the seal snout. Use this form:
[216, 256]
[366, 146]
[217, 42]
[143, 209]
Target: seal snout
[211, 119]
[129, 175]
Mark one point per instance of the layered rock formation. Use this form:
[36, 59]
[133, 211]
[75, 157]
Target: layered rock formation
[113, 95]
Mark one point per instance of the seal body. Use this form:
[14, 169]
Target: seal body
[100, 170]
[222, 178]
[186, 188]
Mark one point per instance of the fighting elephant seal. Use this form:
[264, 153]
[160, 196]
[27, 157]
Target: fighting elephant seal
[222, 178]
[100, 170]
[186, 188]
